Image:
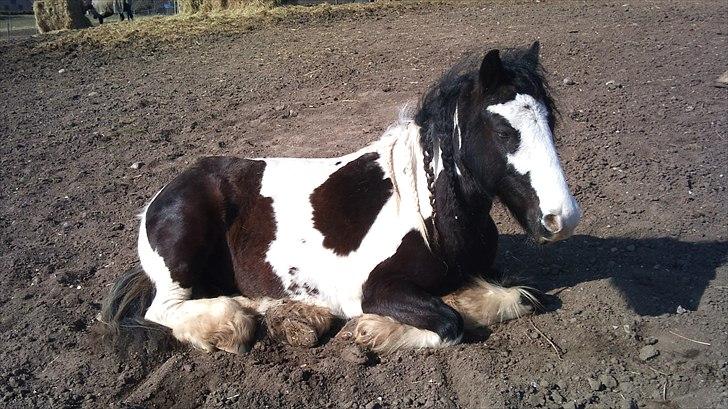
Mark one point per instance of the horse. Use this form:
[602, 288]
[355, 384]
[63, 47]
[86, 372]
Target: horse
[101, 9]
[397, 236]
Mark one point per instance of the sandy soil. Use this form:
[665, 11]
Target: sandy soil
[645, 155]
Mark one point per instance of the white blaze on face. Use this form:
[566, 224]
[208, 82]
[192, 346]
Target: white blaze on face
[536, 155]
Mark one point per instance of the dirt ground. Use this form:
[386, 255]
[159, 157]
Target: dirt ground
[89, 134]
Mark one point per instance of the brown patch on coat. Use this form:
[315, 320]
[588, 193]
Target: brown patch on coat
[347, 203]
[249, 239]
[213, 228]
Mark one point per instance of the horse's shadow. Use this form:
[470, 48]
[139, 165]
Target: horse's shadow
[654, 275]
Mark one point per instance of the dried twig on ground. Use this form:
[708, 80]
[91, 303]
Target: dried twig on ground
[667, 379]
[556, 348]
[689, 339]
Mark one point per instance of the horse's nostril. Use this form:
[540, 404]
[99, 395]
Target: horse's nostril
[552, 223]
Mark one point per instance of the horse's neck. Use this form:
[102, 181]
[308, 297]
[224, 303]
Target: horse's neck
[467, 235]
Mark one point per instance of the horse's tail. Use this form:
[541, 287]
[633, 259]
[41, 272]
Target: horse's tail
[122, 314]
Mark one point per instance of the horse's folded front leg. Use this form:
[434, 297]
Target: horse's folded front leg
[385, 335]
[483, 303]
[400, 315]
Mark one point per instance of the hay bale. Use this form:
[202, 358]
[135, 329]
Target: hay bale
[59, 14]
[212, 6]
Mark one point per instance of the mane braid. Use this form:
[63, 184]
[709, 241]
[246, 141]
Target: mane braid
[434, 117]
[427, 153]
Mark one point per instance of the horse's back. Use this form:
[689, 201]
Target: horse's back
[111, 6]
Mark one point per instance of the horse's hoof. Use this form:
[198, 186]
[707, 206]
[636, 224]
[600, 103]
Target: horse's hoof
[298, 324]
[292, 331]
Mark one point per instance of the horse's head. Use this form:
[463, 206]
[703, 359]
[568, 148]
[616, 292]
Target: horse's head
[504, 139]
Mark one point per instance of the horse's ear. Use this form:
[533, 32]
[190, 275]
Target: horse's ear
[534, 49]
[491, 70]
[532, 53]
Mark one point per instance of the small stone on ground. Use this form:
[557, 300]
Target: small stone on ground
[648, 352]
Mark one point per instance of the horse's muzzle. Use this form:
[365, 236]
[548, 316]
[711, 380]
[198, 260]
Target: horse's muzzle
[560, 226]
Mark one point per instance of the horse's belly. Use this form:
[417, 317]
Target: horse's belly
[330, 285]
[312, 273]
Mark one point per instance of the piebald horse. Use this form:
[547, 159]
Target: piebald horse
[397, 235]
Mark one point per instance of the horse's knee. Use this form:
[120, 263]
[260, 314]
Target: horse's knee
[418, 309]
[450, 326]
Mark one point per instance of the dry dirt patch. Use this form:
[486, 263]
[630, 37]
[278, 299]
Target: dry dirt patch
[645, 155]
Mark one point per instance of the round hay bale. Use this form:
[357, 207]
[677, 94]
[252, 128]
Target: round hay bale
[53, 15]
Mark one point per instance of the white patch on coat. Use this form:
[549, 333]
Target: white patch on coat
[458, 132]
[536, 155]
[298, 244]
[437, 162]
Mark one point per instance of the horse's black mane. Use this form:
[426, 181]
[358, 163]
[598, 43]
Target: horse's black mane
[437, 106]
[435, 115]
